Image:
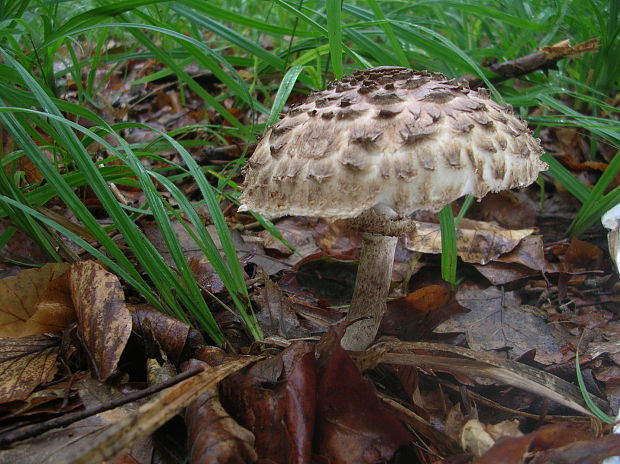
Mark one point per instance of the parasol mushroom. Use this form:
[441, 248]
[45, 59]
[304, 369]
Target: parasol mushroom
[377, 146]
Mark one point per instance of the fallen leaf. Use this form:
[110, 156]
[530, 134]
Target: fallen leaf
[205, 275]
[497, 321]
[477, 438]
[582, 256]
[509, 209]
[515, 450]
[26, 363]
[337, 239]
[417, 314]
[582, 452]
[20, 248]
[353, 424]
[213, 436]
[104, 322]
[24, 295]
[501, 273]
[297, 231]
[529, 253]
[276, 316]
[324, 276]
[275, 400]
[476, 242]
[169, 333]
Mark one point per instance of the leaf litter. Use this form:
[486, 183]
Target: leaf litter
[476, 372]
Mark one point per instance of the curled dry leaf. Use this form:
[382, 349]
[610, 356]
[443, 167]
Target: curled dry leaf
[583, 452]
[526, 260]
[169, 333]
[582, 256]
[104, 322]
[35, 301]
[213, 436]
[477, 438]
[476, 242]
[26, 363]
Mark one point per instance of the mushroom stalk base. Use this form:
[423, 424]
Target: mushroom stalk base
[372, 286]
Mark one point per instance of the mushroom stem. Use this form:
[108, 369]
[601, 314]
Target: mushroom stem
[372, 286]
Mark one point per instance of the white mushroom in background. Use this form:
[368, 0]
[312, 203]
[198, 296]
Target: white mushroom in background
[377, 146]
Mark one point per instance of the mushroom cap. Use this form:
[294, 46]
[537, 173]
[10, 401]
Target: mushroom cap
[388, 138]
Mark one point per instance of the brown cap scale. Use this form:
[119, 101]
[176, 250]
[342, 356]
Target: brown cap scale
[383, 143]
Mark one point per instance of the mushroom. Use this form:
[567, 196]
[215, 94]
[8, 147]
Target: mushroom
[377, 146]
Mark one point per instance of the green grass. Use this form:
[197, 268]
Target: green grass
[260, 53]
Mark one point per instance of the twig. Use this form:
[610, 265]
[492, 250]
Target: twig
[545, 59]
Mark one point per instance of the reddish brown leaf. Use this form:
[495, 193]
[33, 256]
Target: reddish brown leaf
[32, 302]
[582, 452]
[21, 248]
[353, 424]
[104, 322]
[417, 314]
[582, 255]
[275, 399]
[205, 275]
[213, 436]
[515, 450]
[26, 363]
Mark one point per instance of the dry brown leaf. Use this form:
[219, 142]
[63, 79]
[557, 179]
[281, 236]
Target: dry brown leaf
[213, 436]
[276, 316]
[502, 273]
[31, 291]
[476, 242]
[26, 363]
[104, 322]
[169, 333]
[477, 438]
[205, 275]
[498, 321]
